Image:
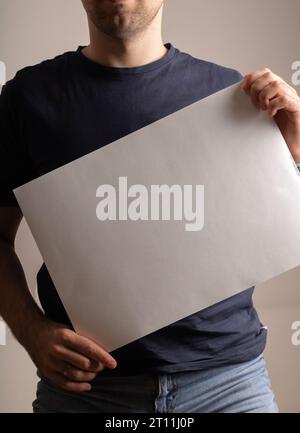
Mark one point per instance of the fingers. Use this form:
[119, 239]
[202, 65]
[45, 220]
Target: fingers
[76, 359]
[67, 384]
[264, 73]
[283, 102]
[74, 374]
[257, 82]
[71, 373]
[86, 347]
[263, 90]
[266, 94]
[270, 92]
[69, 360]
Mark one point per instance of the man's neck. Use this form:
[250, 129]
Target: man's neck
[140, 50]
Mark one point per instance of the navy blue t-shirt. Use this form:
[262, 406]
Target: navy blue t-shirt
[66, 107]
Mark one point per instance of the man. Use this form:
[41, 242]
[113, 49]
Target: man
[61, 109]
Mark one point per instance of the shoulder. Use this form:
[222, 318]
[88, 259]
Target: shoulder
[222, 75]
[31, 78]
[44, 68]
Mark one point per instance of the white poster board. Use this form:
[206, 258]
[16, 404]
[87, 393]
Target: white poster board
[121, 280]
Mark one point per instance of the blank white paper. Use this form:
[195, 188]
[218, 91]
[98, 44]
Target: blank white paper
[121, 280]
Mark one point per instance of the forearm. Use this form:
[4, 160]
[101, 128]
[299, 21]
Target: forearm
[292, 137]
[17, 306]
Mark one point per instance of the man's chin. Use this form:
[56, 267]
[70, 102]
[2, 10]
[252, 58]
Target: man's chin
[119, 27]
[121, 34]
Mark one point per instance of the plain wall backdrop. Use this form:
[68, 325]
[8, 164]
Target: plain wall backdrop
[241, 34]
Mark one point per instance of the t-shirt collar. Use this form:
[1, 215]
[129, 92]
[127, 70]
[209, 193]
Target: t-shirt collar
[97, 67]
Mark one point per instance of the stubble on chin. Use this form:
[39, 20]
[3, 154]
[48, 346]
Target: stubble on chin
[120, 22]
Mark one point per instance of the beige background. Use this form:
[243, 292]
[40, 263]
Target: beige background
[236, 33]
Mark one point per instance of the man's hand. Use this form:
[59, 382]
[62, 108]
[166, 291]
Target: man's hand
[69, 360]
[272, 94]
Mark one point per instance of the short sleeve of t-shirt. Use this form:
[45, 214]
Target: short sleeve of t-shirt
[14, 163]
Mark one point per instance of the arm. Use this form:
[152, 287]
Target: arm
[17, 305]
[68, 359]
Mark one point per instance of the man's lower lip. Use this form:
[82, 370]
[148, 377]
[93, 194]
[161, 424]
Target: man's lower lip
[117, 2]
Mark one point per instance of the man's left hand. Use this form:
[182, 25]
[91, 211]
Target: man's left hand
[281, 101]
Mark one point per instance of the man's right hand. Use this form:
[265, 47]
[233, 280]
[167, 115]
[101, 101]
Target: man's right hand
[69, 360]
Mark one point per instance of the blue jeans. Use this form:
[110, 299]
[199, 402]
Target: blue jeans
[236, 388]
